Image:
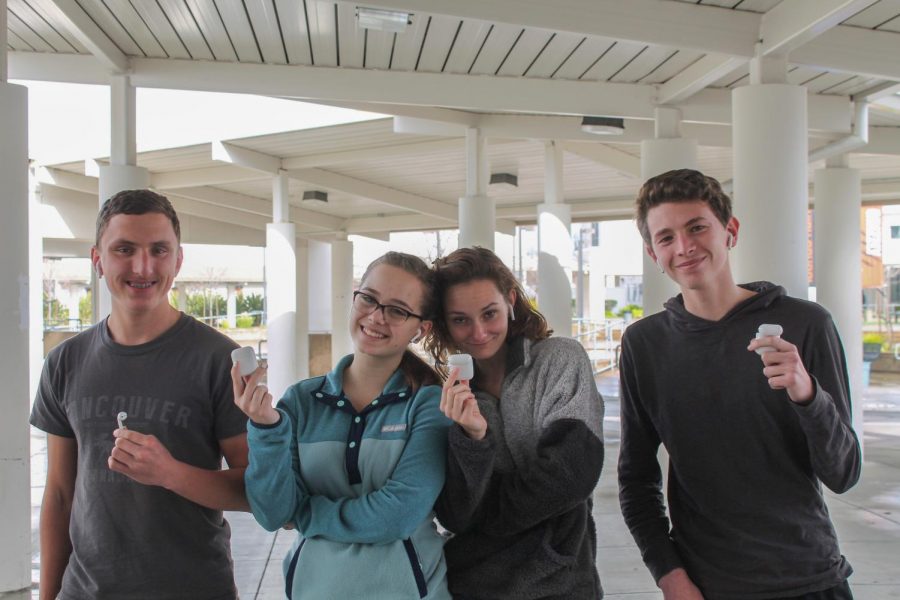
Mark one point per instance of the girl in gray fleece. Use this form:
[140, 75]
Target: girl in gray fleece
[526, 448]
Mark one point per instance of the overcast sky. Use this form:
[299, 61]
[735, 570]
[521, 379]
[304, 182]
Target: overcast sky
[71, 122]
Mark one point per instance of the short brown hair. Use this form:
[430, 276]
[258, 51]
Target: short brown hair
[136, 202]
[681, 185]
[471, 264]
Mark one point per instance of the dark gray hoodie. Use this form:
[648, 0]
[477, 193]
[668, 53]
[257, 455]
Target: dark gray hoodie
[748, 519]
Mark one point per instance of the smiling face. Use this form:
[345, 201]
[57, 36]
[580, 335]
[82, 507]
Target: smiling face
[139, 255]
[477, 317]
[371, 333]
[690, 244]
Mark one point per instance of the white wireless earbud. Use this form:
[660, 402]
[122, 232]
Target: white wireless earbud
[120, 419]
[512, 311]
[729, 243]
[417, 337]
[660, 265]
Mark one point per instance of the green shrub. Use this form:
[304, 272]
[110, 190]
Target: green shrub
[245, 321]
[873, 338]
[636, 311]
[86, 309]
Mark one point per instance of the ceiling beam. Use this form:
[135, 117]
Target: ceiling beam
[696, 77]
[368, 225]
[190, 206]
[83, 27]
[393, 150]
[658, 22]
[881, 191]
[171, 180]
[374, 191]
[627, 164]
[64, 248]
[882, 140]
[447, 115]
[855, 50]
[244, 157]
[884, 89]
[69, 181]
[471, 92]
[261, 207]
[62, 68]
[600, 208]
[399, 87]
[789, 25]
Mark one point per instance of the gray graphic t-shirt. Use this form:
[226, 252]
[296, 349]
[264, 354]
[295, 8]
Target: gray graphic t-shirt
[129, 540]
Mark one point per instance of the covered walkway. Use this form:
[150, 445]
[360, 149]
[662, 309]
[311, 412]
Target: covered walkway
[578, 101]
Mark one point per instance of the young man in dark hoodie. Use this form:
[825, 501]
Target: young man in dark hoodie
[749, 437]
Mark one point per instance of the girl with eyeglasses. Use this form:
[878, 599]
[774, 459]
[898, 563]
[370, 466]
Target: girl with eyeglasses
[355, 459]
[526, 449]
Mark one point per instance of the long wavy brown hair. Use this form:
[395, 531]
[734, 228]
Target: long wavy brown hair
[471, 264]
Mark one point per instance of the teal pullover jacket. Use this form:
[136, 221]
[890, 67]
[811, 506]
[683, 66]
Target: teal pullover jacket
[359, 487]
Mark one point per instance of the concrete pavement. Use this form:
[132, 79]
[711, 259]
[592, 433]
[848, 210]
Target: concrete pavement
[867, 517]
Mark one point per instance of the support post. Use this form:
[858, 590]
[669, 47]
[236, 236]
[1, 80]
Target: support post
[668, 151]
[838, 265]
[555, 249]
[477, 213]
[15, 324]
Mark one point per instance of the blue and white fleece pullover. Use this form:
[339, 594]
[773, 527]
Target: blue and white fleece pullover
[358, 486]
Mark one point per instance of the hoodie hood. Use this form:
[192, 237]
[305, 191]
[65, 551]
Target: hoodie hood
[682, 320]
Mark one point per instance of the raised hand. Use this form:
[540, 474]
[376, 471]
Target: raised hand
[142, 457]
[458, 403]
[252, 397]
[784, 368]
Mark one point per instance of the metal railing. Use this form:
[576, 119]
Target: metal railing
[73, 324]
[601, 341]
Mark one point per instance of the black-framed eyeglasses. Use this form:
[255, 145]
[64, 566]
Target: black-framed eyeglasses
[394, 315]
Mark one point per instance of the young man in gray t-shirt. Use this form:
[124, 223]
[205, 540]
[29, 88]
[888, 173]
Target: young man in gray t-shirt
[136, 512]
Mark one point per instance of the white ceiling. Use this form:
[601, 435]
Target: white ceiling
[523, 71]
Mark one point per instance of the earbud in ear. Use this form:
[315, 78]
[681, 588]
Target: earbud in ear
[512, 311]
[417, 337]
[660, 265]
[730, 241]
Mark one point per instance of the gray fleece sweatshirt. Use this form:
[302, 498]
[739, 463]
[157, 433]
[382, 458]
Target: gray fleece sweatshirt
[519, 501]
[748, 520]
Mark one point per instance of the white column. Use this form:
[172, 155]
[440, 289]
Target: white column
[231, 305]
[668, 151]
[15, 491]
[769, 135]
[318, 296]
[281, 292]
[302, 317]
[555, 249]
[838, 270]
[342, 298]
[121, 173]
[476, 210]
[35, 288]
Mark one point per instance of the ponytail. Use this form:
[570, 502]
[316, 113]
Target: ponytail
[418, 373]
